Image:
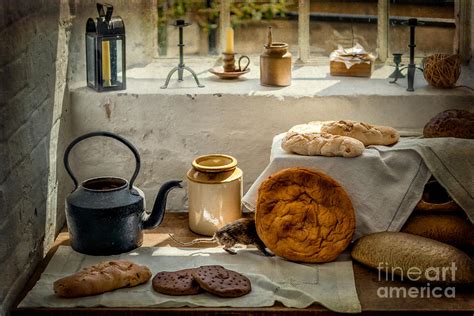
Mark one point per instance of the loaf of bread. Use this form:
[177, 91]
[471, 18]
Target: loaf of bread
[303, 215]
[451, 123]
[103, 277]
[453, 229]
[404, 254]
[368, 134]
[321, 144]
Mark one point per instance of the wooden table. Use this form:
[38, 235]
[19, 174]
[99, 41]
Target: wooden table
[365, 279]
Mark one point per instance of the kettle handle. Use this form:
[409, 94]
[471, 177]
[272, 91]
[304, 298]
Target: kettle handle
[106, 134]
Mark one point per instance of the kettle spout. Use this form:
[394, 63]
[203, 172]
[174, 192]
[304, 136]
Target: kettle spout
[159, 208]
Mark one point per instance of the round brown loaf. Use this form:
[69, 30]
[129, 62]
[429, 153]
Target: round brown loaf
[304, 215]
[453, 229]
[451, 123]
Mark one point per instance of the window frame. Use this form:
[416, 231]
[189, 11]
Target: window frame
[461, 45]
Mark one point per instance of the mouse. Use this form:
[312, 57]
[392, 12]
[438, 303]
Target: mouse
[241, 231]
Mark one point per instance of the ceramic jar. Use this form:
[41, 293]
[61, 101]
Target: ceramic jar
[275, 65]
[214, 193]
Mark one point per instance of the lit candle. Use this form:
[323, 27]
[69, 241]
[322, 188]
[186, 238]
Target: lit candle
[106, 64]
[229, 41]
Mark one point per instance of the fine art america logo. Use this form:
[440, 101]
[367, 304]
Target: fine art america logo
[426, 290]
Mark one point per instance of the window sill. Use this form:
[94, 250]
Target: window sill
[307, 81]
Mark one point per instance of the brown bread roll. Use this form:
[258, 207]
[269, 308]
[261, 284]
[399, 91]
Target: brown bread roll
[403, 254]
[317, 144]
[103, 277]
[451, 123]
[452, 229]
[304, 215]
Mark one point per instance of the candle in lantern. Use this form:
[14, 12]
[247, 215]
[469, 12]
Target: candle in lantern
[106, 76]
[229, 41]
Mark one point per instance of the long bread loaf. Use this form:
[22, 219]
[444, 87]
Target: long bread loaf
[103, 277]
[321, 144]
[405, 254]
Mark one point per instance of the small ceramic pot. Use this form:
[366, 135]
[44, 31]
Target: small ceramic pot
[275, 65]
[214, 193]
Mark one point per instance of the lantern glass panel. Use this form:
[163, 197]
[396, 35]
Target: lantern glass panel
[90, 60]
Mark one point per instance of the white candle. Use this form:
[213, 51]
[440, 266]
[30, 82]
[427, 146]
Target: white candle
[229, 41]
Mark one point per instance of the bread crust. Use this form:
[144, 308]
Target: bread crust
[400, 251]
[453, 229]
[103, 277]
[368, 134]
[450, 123]
[321, 144]
[304, 215]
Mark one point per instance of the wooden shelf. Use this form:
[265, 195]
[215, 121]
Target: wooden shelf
[365, 279]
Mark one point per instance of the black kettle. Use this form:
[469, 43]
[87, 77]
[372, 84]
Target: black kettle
[106, 215]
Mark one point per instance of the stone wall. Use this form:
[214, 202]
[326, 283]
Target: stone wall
[33, 62]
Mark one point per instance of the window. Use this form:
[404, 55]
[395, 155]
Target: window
[314, 28]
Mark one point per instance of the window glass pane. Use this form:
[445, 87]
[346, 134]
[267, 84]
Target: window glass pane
[435, 36]
[342, 22]
[249, 18]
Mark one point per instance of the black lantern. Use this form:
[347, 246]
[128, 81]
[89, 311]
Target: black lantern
[105, 50]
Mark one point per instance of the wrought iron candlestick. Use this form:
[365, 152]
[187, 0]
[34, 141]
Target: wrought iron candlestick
[181, 67]
[397, 73]
[412, 23]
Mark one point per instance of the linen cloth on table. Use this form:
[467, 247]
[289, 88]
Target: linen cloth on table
[385, 183]
[273, 280]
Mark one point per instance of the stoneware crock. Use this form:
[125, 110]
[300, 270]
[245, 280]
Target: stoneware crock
[214, 193]
[106, 215]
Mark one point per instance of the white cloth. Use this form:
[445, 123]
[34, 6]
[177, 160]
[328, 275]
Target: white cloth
[384, 185]
[451, 161]
[273, 280]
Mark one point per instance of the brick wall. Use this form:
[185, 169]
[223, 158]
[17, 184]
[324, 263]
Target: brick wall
[33, 66]
[41, 51]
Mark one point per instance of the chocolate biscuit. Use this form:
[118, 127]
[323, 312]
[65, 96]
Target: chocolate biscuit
[222, 282]
[176, 283]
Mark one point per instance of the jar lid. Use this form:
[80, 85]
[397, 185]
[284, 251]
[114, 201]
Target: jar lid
[214, 169]
[214, 163]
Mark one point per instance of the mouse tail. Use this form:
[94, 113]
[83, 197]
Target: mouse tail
[195, 241]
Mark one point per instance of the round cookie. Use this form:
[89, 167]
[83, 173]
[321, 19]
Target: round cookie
[304, 215]
[222, 282]
[176, 283]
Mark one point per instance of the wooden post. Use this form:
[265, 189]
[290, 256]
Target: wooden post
[383, 18]
[154, 21]
[303, 30]
[224, 19]
[462, 38]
